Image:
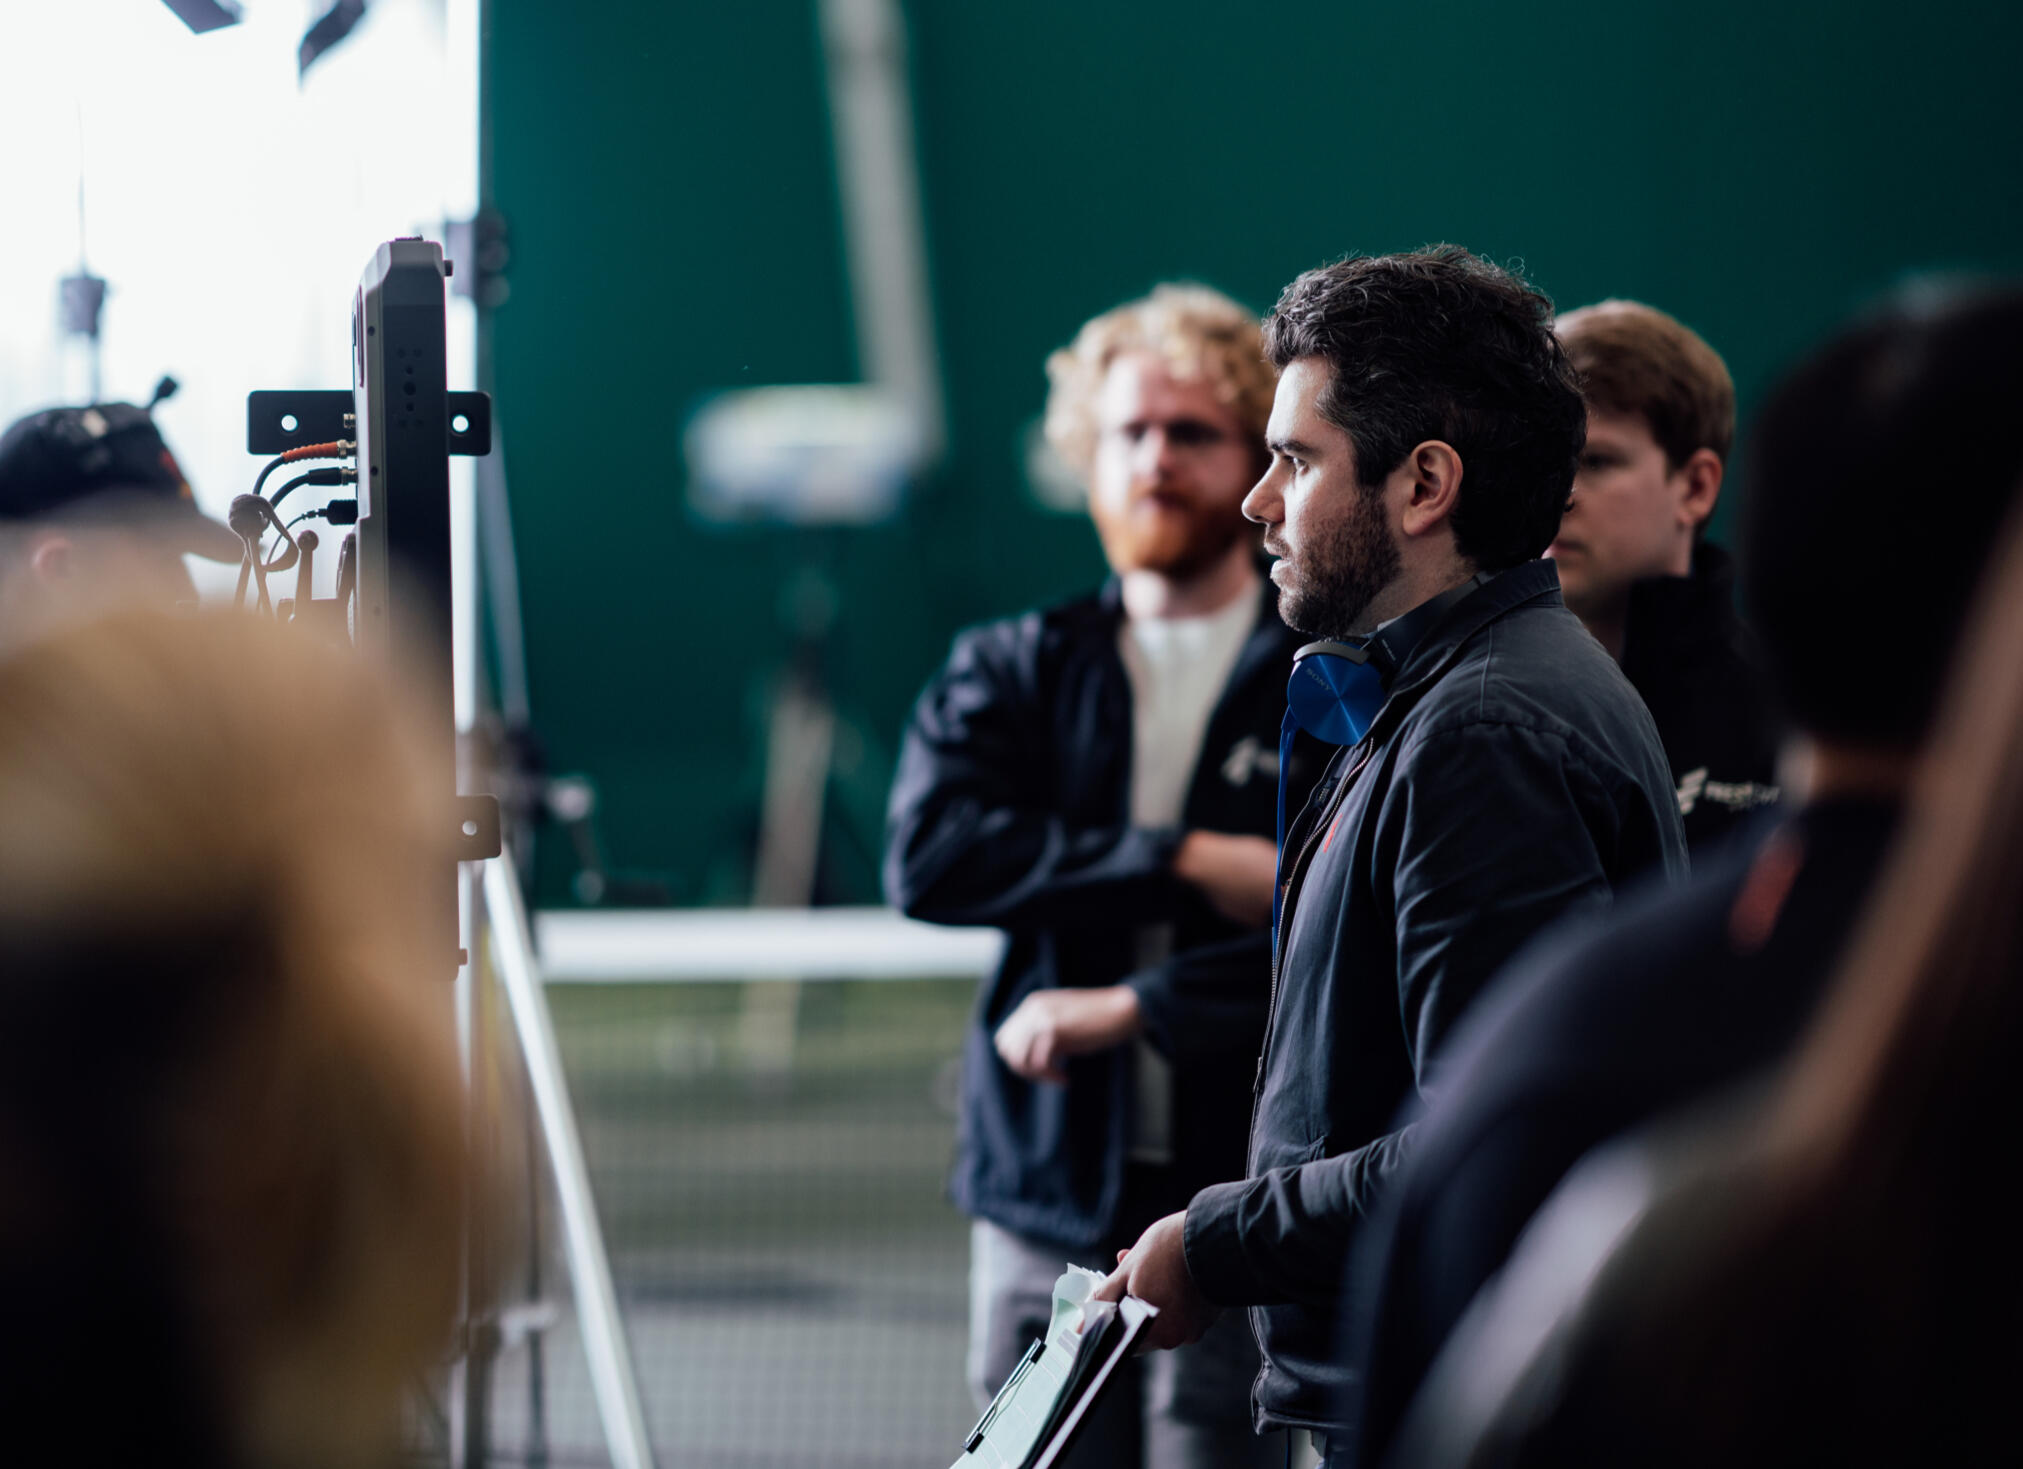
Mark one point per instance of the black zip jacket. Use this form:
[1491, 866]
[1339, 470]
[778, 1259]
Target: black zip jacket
[1696, 666]
[1513, 775]
[1011, 808]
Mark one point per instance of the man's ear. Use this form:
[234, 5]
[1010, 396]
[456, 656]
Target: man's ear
[1435, 472]
[53, 557]
[1699, 486]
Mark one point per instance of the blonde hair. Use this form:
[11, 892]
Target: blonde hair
[231, 830]
[1197, 332]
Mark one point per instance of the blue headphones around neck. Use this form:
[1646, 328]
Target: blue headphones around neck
[1334, 694]
[1337, 689]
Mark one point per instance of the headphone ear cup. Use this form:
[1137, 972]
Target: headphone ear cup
[1334, 698]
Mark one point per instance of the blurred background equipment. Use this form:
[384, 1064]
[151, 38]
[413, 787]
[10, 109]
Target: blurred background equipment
[328, 29]
[80, 296]
[80, 300]
[397, 429]
[1066, 160]
[399, 426]
[206, 15]
[833, 455]
[845, 454]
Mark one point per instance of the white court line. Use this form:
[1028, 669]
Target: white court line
[653, 945]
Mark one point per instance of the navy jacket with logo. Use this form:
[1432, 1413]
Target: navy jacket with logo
[1513, 775]
[1011, 808]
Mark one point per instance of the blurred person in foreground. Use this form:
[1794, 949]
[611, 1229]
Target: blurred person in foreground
[1099, 779]
[1424, 438]
[1828, 1276]
[95, 516]
[1859, 600]
[1635, 567]
[230, 1120]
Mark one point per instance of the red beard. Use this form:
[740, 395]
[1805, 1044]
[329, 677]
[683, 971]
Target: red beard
[1168, 531]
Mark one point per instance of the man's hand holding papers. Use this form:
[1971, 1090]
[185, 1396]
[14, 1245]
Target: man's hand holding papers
[1155, 1271]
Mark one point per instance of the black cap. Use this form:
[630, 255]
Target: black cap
[106, 463]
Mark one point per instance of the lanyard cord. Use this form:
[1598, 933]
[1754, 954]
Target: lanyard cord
[1287, 729]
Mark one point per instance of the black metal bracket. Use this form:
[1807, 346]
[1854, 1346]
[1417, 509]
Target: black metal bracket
[278, 420]
[473, 411]
[477, 828]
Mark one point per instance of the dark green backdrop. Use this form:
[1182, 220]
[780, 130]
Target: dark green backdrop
[1756, 168]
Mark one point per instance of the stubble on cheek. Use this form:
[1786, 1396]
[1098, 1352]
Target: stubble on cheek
[1347, 568]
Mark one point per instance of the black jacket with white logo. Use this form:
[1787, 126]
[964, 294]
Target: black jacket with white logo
[1696, 666]
[1011, 809]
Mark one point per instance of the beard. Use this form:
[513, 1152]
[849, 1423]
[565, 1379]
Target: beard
[1175, 536]
[1328, 592]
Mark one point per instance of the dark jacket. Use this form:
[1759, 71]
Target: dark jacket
[1513, 775]
[1011, 808]
[1697, 668]
[1596, 1031]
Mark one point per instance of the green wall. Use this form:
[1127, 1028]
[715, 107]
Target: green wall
[1759, 169]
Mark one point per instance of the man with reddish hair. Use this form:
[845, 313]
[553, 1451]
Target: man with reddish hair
[1635, 568]
[1099, 780]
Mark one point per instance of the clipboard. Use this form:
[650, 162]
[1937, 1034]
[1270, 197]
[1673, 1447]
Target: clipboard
[1038, 1413]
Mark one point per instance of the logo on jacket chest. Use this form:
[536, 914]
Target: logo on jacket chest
[1249, 757]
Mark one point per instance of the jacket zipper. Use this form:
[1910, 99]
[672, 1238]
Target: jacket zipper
[1278, 940]
[1402, 698]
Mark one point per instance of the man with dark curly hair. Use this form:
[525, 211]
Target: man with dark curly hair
[1500, 773]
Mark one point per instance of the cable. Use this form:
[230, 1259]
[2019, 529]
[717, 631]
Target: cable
[331, 476]
[334, 449]
[282, 494]
[337, 512]
[249, 517]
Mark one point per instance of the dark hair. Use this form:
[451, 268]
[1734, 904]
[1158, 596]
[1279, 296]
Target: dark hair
[1876, 478]
[1635, 359]
[1438, 344]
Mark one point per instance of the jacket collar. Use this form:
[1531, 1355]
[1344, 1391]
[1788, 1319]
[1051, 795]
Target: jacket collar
[1668, 612]
[1526, 583]
[1391, 645]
